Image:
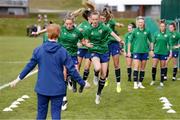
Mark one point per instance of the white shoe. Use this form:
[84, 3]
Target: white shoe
[95, 80]
[97, 100]
[152, 83]
[161, 84]
[140, 85]
[87, 85]
[135, 85]
[64, 105]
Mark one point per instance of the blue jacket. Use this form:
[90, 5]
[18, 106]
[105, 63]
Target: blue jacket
[51, 57]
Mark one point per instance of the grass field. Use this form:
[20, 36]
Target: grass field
[129, 104]
[55, 4]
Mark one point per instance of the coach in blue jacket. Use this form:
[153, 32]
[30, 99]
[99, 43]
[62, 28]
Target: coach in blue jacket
[50, 85]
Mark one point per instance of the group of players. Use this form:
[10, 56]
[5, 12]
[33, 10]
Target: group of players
[95, 40]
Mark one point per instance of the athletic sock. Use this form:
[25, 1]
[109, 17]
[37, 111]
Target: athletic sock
[100, 86]
[162, 74]
[154, 70]
[118, 75]
[135, 75]
[174, 72]
[165, 71]
[85, 74]
[129, 71]
[141, 78]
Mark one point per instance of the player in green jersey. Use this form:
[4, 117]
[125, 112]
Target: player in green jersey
[174, 40]
[129, 60]
[161, 45]
[98, 36]
[141, 41]
[83, 51]
[113, 46]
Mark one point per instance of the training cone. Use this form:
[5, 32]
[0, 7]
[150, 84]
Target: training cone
[166, 107]
[25, 97]
[16, 103]
[13, 106]
[171, 111]
[20, 100]
[7, 109]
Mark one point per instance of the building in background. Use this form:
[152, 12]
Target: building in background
[138, 7]
[14, 8]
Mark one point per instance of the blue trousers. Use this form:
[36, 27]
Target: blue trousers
[43, 101]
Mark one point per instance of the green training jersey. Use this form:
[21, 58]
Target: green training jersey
[140, 39]
[127, 40]
[98, 36]
[161, 43]
[112, 24]
[69, 39]
[82, 28]
[174, 40]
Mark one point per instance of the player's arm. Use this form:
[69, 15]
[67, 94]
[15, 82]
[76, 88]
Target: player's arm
[119, 24]
[117, 37]
[28, 68]
[39, 32]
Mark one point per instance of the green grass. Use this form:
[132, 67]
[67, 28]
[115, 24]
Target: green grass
[129, 104]
[55, 4]
[17, 26]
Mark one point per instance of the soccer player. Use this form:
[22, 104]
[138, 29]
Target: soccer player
[97, 35]
[141, 41]
[83, 51]
[174, 40]
[113, 46]
[161, 45]
[50, 86]
[129, 60]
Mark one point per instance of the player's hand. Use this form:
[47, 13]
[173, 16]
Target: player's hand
[121, 25]
[34, 33]
[14, 82]
[90, 45]
[79, 44]
[129, 54]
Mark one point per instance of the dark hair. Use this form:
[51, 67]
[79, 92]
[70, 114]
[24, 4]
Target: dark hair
[133, 25]
[86, 14]
[173, 24]
[162, 21]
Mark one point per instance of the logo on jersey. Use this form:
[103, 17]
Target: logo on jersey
[173, 36]
[158, 35]
[65, 33]
[137, 33]
[165, 35]
[145, 33]
[92, 33]
[74, 35]
[100, 31]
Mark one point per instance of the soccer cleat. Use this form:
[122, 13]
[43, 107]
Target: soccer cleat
[173, 78]
[152, 83]
[97, 100]
[95, 80]
[161, 84]
[140, 85]
[64, 105]
[135, 85]
[118, 88]
[87, 85]
[106, 83]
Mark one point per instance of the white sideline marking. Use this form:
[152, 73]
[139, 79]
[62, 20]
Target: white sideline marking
[8, 84]
[13, 62]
